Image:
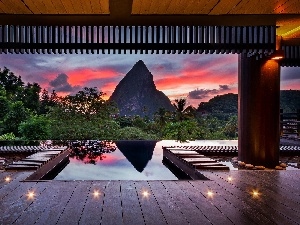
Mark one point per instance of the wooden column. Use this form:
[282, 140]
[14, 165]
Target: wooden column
[259, 111]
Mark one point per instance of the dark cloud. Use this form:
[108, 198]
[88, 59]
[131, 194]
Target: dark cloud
[204, 93]
[290, 73]
[201, 93]
[163, 67]
[224, 87]
[61, 84]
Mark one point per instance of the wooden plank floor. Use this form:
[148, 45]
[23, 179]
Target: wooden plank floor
[154, 202]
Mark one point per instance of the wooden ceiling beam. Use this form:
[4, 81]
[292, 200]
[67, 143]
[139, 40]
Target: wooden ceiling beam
[145, 20]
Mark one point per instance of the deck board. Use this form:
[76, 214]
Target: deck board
[36, 205]
[112, 208]
[131, 210]
[16, 201]
[263, 202]
[75, 205]
[92, 211]
[270, 194]
[237, 198]
[63, 192]
[169, 202]
[187, 207]
[150, 208]
[208, 209]
[169, 207]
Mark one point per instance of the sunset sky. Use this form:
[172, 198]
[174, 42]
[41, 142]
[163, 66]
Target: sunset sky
[197, 77]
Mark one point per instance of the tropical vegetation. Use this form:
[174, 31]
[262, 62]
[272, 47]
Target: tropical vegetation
[28, 112]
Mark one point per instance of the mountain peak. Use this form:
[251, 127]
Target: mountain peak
[140, 62]
[136, 94]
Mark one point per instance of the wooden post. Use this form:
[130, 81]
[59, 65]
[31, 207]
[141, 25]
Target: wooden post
[259, 111]
[298, 124]
[281, 122]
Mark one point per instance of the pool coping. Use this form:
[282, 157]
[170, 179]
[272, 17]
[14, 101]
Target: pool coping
[46, 171]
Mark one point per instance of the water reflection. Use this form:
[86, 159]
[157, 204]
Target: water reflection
[120, 160]
[91, 151]
[138, 153]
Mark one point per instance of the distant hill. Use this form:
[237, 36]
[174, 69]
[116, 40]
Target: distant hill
[136, 94]
[228, 103]
[290, 100]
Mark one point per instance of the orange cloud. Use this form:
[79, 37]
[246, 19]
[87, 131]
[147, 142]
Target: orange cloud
[108, 89]
[80, 76]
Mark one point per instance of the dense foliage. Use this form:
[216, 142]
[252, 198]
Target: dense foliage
[29, 113]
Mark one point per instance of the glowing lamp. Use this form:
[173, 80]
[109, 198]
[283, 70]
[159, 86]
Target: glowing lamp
[229, 178]
[96, 194]
[30, 195]
[145, 193]
[7, 179]
[255, 193]
[210, 193]
[277, 55]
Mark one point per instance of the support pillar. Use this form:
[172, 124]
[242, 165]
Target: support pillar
[259, 111]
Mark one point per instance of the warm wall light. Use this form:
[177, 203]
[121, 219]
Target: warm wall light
[7, 179]
[229, 178]
[277, 55]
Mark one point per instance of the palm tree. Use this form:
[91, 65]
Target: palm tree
[160, 117]
[179, 106]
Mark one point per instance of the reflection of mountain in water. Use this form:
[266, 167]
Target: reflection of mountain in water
[138, 153]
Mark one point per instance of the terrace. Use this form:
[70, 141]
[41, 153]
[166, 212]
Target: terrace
[256, 30]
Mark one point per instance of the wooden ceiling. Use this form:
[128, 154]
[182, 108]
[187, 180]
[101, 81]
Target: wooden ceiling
[150, 7]
[283, 13]
[54, 6]
[215, 7]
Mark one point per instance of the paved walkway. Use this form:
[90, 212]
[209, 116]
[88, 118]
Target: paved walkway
[168, 202]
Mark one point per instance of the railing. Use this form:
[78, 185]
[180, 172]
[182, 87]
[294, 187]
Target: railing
[290, 124]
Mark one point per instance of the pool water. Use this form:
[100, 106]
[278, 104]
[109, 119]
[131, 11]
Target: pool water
[124, 160]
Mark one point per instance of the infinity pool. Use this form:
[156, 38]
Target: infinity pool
[122, 160]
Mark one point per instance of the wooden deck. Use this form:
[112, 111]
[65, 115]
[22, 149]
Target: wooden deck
[168, 202]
